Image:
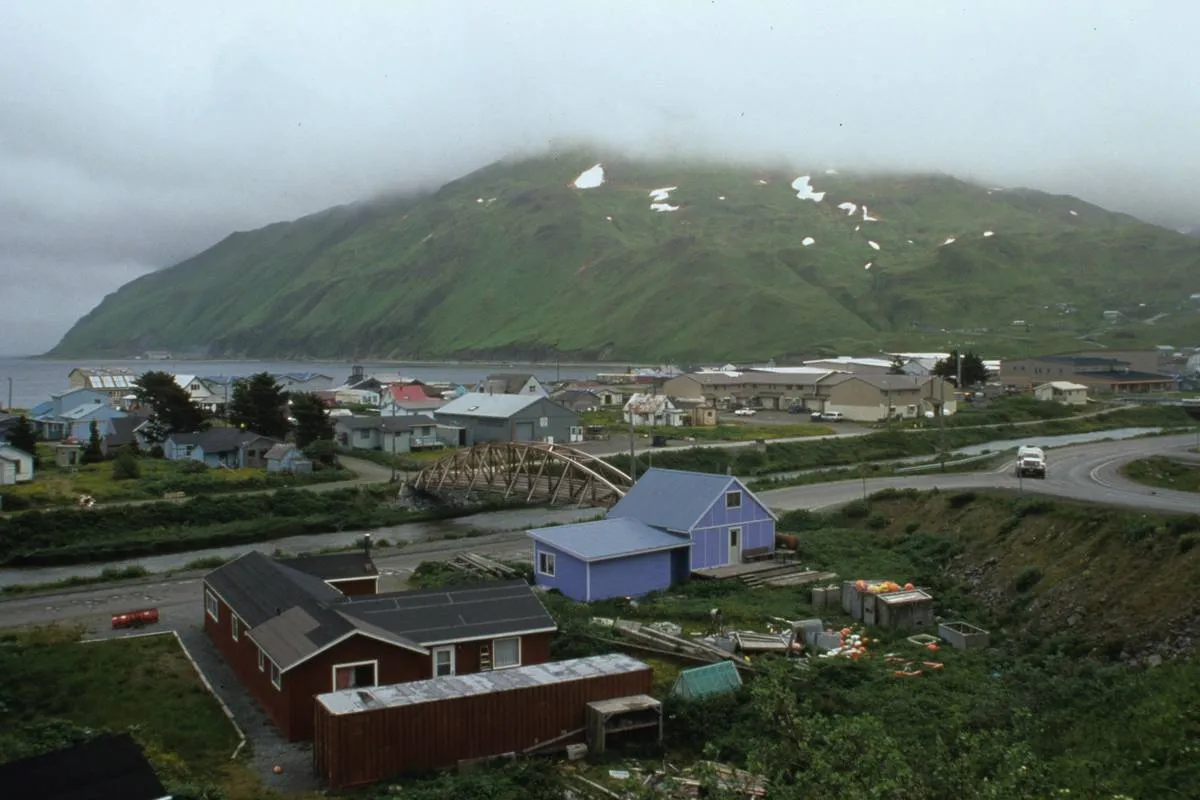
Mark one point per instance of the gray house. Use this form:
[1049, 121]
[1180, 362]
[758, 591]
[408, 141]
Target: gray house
[220, 447]
[512, 383]
[475, 418]
[391, 434]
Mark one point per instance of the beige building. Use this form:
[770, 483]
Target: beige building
[870, 398]
[862, 397]
[115, 383]
[1100, 370]
[1065, 392]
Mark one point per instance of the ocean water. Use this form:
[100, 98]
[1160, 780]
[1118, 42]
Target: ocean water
[34, 380]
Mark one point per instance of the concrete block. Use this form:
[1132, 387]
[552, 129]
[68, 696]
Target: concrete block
[964, 635]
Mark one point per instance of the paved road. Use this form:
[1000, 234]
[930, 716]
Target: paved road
[1085, 472]
[841, 430]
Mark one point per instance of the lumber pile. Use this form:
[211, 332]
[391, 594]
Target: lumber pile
[476, 564]
[790, 575]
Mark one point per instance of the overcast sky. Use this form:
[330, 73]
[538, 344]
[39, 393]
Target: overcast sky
[135, 134]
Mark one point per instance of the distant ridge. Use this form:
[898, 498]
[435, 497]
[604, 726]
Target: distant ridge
[593, 256]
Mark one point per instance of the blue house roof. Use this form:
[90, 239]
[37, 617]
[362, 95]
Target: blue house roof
[607, 538]
[673, 499]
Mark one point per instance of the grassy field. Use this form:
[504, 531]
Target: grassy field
[1164, 473]
[55, 688]
[55, 486]
[724, 277]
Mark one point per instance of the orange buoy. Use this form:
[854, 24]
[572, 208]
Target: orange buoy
[278, 770]
[932, 647]
[908, 587]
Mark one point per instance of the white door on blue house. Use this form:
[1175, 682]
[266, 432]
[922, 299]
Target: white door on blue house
[735, 545]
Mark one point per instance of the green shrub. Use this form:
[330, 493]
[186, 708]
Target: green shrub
[857, 509]
[911, 527]
[877, 522]
[960, 500]
[125, 466]
[1188, 541]
[1027, 578]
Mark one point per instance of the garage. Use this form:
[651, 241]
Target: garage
[523, 432]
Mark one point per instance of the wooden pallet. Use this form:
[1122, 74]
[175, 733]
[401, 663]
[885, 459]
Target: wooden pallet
[480, 565]
[793, 575]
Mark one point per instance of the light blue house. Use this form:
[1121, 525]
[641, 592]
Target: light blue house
[69, 415]
[609, 558]
[220, 447]
[669, 525]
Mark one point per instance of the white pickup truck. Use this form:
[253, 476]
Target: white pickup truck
[1031, 462]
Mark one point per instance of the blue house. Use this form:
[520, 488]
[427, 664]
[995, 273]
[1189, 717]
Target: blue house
[609, 558]
[670, 524]
[220, 447]
[70, 414]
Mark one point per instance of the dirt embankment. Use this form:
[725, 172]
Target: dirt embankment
[1118, 583]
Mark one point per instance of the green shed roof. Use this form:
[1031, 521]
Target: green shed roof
[708, 680]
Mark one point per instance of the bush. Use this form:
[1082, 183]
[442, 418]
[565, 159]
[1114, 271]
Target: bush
[1188, 541]
[190, 467]
[960, 500]
[1027, 578]
[911, 527]
[125, 467]
[858, 509]
[877, 522]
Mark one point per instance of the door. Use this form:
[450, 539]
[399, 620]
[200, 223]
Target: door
[524, 432]
[735, 545]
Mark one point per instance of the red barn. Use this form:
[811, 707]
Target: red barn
[290, 635]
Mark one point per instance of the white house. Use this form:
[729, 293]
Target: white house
[655, 410]
[16, 466]
[210, 394]
[512, 383]
[1065, 392]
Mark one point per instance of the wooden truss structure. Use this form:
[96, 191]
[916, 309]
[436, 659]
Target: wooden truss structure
[532, 472]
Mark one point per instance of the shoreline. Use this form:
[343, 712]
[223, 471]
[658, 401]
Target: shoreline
[384, 361]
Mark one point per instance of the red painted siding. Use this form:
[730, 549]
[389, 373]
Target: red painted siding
[357, 587]
[291, 707]
[355, 749]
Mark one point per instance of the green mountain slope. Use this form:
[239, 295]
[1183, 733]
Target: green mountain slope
[515, 261]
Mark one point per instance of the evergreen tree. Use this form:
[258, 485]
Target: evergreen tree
[94, 450]
[897, 366]
[312, 419]
[973, 370]
[171, 407]
[259, 404]
[24, 437]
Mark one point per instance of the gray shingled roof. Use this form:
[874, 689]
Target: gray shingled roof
[494, 406]
[334, 566]
[218, 440]
[608, 538]
[396, 424]
[672, 499]
[507, 382]
[433, 616]
[292, 614]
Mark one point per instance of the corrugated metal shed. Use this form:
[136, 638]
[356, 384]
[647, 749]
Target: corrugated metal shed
[607, 538]
[718, 678]
[366, 735]
[353, 701]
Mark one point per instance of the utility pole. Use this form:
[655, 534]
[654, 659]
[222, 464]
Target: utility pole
[632, 451]
[958, 367]
[10, 405]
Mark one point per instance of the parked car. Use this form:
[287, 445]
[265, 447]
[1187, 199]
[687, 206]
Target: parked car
[745, 412]
[828, 416]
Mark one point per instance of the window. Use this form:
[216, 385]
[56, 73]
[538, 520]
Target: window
[443, 661]
[235, 627]
[276, 678]
[261, 660]
[546, 564]
[211, 607]
[543, 422]
[506, 653]
[354, 676]
[364, 433]
[733, 499]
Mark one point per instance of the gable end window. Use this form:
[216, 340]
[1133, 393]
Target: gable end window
[546, 564]
[358, 675]
[235, 627]
[262, 658]
[276, 677]
[211, 607]
[733, 499]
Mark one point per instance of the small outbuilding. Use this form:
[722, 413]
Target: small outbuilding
[711, 679]
[480, 418]
[16, 466]
[1064, 392]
